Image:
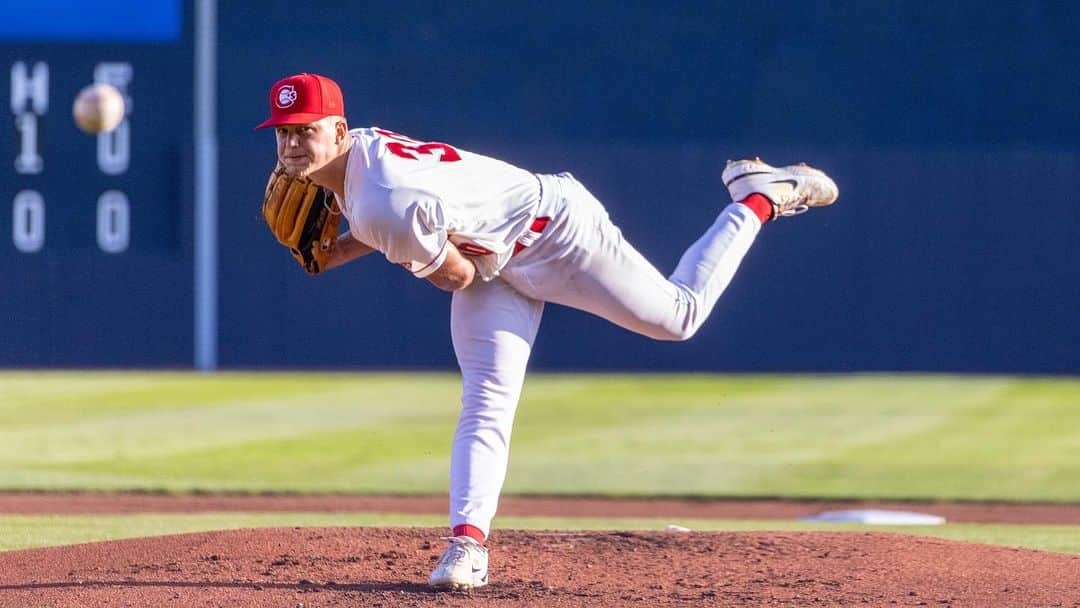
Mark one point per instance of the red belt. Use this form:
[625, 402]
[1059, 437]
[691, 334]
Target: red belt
[530, 237]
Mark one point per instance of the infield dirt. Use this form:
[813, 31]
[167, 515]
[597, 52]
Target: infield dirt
[305, 567]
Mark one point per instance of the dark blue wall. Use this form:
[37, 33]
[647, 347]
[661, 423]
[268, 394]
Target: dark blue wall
[953, 134]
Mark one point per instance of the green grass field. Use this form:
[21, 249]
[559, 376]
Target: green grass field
[862, 436]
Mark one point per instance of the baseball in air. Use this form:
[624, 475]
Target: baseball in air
[99, 108]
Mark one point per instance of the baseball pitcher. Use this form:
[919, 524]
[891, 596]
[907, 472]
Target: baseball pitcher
[504, 241]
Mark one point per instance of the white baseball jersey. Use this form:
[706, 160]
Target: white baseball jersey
[408, 198]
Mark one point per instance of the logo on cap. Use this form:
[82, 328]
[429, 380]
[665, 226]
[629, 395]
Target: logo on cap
[286, 96]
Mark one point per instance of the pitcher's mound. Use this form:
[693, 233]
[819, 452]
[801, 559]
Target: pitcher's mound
[389, 567]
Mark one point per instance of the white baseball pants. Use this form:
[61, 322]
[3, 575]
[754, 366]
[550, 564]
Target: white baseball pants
[582, 261]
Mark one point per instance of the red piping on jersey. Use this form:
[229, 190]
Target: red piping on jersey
[473, 249]
[428, 265]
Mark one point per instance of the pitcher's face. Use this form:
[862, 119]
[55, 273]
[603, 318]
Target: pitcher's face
[306, 148]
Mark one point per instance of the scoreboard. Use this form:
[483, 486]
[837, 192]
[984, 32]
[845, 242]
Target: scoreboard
[91, 199]
[95, 237]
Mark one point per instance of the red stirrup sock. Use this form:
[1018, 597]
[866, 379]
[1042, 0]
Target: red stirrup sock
[471, 531]
[760, 206]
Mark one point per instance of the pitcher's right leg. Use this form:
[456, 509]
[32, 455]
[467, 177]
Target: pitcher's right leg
[588, 265]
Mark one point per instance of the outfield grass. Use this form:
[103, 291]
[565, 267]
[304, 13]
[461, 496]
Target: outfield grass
[862, 436]
[23, 532]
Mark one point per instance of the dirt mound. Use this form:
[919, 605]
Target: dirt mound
[388, 567]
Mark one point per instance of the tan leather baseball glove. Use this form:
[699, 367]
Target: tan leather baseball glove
[303, 217]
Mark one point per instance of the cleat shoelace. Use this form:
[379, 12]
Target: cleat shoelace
[796, 205]
[457, 552]
[455, 555]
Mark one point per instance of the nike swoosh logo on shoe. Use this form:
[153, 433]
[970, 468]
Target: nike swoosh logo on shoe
[794, 184]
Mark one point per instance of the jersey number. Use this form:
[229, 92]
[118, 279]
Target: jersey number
[411, 149]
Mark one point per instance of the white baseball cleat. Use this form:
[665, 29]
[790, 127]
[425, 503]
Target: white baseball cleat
[463, 566]
[792, 190]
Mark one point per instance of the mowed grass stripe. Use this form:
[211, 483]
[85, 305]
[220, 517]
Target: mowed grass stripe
[188, 413]
[376, 459]
[829, 436]
[853, 436]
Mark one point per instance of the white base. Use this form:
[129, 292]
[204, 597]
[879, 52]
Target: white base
[878, 517]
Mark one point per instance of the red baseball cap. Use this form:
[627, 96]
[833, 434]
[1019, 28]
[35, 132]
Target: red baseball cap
[303, 98]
